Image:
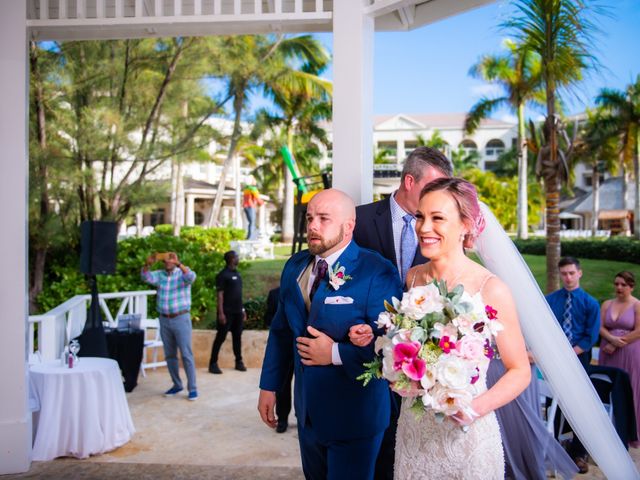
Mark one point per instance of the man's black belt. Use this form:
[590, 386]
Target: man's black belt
[174, 315]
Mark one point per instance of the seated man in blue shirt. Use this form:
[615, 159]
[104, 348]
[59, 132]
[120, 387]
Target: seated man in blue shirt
[579, 316]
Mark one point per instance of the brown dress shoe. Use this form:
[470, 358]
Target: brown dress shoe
[582, 464]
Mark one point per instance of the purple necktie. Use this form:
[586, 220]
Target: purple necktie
[321, 272]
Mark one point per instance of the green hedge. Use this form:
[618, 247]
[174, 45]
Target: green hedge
[200, 249]
[622, 249]
[255, 308]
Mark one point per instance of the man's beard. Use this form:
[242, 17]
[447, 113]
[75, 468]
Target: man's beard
[324, 245]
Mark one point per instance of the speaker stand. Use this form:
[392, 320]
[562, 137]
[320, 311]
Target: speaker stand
[93, 341]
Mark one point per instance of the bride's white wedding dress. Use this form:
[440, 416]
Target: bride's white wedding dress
[426, 448]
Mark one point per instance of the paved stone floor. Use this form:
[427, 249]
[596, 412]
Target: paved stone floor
[220, 436]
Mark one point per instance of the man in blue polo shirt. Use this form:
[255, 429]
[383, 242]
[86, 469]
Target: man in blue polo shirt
[579, 316]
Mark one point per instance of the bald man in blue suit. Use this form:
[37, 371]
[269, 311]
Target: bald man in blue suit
[340, 422]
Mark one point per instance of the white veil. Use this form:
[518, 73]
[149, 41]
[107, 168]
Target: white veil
[554, 355]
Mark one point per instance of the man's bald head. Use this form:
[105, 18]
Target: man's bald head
[331, 217]
[337, 200]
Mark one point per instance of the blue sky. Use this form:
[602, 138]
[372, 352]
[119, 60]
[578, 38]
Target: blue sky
[426, 70]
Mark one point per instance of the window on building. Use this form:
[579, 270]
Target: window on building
[588, 179]
[157, 217]
[198, 218]
[494, 148]
[390, 147]
[409, 146]
[469, 146]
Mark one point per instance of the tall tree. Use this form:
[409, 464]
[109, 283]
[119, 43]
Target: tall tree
[518, 74]
[299, 127]
[559, 31]
[303, 102]
[123, 97]
[624, 107]
[252, 62]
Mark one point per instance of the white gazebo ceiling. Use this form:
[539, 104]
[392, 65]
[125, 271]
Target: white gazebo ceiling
[112, 19]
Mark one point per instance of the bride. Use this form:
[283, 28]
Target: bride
[447, 221]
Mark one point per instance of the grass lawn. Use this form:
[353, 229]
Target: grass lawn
[597, 279]
[597, 275]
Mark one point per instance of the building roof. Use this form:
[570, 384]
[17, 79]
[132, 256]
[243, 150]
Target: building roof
[610, 197]
[438, 120]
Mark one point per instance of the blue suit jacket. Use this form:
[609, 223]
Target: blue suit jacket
[337, 405]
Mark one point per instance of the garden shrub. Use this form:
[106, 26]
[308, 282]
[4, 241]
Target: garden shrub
[201, 250]
[622, 249]
[255, 308]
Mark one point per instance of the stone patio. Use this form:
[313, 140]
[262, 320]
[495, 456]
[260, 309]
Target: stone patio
[220, 436]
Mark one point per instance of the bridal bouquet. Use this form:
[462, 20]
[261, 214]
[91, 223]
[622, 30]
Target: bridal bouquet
[435, 346]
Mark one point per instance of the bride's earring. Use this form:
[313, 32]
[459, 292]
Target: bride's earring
[462, 235]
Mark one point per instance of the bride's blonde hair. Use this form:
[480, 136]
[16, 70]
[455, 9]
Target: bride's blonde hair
[466, 197]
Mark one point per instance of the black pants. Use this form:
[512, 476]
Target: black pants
[234, 324]
[283, 398]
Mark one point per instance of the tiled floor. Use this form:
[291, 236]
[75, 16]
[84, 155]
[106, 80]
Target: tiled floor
[220, 436]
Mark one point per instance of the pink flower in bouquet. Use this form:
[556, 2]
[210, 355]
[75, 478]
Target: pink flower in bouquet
[475, 378]
[405, 353]
[446, 344]
[471, 347]
[415, 369]
[491, 312]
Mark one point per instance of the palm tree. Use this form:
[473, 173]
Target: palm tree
[597, 148]
[246, 63]
[625, 110]
[464, 160]
[559, 31]
[303, 101]
[518, 73]
[436, 141]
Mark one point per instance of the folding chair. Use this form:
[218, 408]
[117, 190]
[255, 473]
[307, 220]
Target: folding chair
[153, 341]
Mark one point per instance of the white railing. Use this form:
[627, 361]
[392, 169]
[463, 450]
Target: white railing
[145, 9]
[66, 321]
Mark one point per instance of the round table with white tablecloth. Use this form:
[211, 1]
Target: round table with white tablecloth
[82, 410]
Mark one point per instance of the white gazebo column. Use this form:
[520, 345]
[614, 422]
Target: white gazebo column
[191, 210]
[353, 100]
[15, 417]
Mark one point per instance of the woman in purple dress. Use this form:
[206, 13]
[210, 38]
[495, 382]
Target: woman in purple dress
[620, 330]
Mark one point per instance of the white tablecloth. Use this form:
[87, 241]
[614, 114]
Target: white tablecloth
[83, 410]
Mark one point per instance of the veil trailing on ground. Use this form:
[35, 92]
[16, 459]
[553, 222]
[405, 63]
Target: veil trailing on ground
[554, 355]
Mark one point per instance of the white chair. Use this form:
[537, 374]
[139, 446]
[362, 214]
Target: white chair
[153, 341]
[549, 412]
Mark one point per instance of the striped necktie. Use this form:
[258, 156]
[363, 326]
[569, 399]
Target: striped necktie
[567, 317]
